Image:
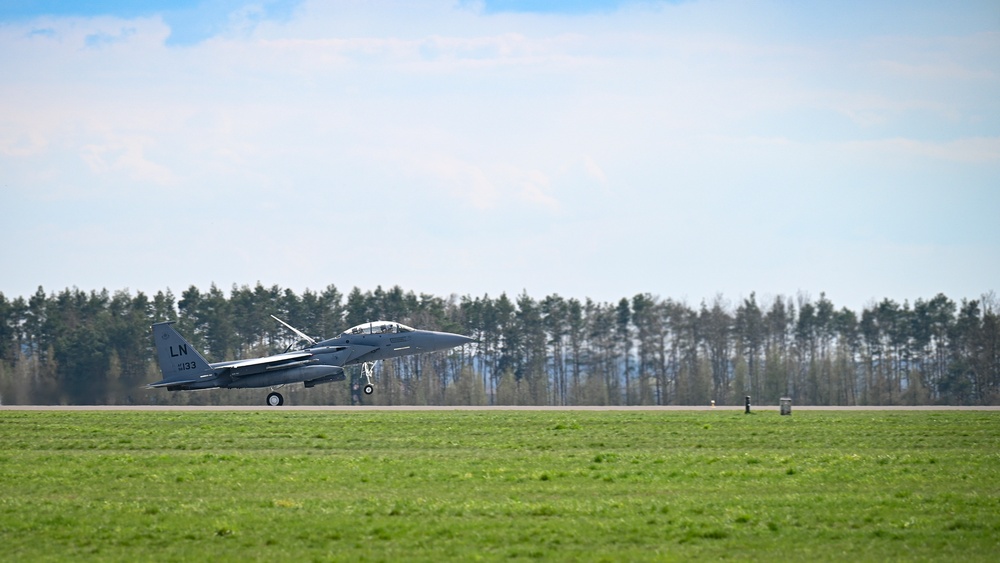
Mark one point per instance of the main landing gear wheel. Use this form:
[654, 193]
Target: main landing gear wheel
[369, 389]
[275, 400]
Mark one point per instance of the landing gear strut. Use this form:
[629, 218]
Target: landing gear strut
[275, 399]
[368, 368]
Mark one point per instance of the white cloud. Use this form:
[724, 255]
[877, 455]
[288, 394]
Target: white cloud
[126, 155]
[20, 141]
[971, 150]
[594, 170]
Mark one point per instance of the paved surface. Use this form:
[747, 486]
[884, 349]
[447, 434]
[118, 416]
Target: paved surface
[498, 408]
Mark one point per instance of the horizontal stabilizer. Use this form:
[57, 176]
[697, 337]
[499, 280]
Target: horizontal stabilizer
[171, 383]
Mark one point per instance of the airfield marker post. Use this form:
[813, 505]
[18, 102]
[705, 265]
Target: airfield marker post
[786, 405]
[748, 404]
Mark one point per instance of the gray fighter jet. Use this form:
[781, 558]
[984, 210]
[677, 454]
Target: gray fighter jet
[313, 362]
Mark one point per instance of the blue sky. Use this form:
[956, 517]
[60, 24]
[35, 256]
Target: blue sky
[595, 149]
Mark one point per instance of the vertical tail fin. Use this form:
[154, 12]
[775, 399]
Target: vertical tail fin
[179, 361]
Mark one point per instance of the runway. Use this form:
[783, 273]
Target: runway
[397, 408]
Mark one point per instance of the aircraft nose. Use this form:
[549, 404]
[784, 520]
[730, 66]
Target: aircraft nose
[446, 340]
[456, 339]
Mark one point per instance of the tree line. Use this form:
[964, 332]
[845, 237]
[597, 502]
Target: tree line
[77, 347]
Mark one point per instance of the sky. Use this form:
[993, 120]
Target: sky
[595, 149]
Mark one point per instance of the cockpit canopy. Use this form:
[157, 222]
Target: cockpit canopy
[378, 327]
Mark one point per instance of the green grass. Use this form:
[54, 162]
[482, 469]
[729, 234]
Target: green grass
[468, 485]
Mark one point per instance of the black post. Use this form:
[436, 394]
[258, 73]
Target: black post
[748, 404]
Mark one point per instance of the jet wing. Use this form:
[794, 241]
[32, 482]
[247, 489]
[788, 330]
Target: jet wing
[243, 368]
[279, 359]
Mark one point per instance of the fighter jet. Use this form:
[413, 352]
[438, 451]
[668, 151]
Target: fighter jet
[313, 362]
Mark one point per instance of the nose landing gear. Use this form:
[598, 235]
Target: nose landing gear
[368, 368]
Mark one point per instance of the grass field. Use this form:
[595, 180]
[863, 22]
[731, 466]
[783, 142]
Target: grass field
[470, 485]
